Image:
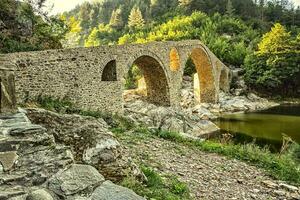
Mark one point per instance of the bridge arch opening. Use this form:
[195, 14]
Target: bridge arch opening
[110, 71]
[147, 80]
[198, 79]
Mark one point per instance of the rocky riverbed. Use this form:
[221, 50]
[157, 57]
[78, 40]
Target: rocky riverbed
[51, 156]
[190, 119]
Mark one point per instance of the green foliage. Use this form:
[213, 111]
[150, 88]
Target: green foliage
[149, 14]
[229, 8]
[24, 27]
[223, 35]
[277, 40]
[102, 35]
[60, 106]
[134, 74]
[294, 152]
[158, 187]
[275, 67]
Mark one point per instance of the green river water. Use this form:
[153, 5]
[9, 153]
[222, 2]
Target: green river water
[266, 127]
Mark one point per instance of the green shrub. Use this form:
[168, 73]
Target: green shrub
[158, 187]
[274, 73]
[275, 67]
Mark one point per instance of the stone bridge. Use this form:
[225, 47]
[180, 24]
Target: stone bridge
[93, 78]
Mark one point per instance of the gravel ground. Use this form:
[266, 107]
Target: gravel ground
[209, 176]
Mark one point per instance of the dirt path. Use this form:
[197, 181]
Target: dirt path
[209, 176]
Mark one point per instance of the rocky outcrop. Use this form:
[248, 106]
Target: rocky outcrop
[90, 140]
[169, 119]
[28, 155]
[37, 163]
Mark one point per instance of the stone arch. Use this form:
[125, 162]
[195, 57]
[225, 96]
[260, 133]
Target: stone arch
[110, 71]
[156, 79]
[206, 92]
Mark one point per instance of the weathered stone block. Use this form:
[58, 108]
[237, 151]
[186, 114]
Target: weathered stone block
[7, 90]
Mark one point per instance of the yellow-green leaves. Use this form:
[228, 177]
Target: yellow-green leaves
[277, 40]
[136, 19]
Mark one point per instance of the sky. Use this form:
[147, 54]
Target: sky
[66, 5]
[60, 6]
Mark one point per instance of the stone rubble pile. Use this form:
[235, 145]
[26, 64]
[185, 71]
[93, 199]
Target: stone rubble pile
[169, 119]
[190, 119]
[39, 162]
[228, 103]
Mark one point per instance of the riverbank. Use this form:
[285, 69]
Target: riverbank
[213, 170]
[170, 153]
[235, 151]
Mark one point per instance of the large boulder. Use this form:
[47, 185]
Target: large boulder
[83, 134]
[250, 102]
[110, 191]
[75, 179]
[90, 140]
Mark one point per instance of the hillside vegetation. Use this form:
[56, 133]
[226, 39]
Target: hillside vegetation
[238, 32]
[260, 36]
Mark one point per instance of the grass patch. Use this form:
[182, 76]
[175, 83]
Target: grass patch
[158, 187]
[284, 167]
[66, 107]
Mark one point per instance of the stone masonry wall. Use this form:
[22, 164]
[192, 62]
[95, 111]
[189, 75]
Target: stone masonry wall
[76, 74]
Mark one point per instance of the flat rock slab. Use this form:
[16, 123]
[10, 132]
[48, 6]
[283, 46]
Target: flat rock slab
[40, 194]
[75, 179]
[110, 191]
[204, 129]
[8, 159]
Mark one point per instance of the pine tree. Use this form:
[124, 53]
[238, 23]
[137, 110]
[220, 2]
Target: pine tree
[92, 39]
[116, 19]
[136, 19]
[73, 36]
[262, 9]
[229, 8]
[278, 39]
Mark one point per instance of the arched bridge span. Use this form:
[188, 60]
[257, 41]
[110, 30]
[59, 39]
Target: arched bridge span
[92, 78]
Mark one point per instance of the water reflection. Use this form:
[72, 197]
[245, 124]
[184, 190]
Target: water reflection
[266, 125]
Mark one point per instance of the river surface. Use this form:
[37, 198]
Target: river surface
[266, 126]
